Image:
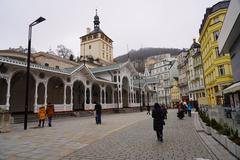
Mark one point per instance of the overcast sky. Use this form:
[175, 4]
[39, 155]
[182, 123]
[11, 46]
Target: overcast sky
[132, 23]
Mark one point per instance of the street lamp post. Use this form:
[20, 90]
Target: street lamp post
[39, 20]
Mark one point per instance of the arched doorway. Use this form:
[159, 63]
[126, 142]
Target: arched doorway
[148, 98]
[143, 99]
[3, 91]
[18, 90]
[125, 91]
[55, 90]
[78, 95]
[109, 95]
[95, 93]
[68, 95]
[41, 93]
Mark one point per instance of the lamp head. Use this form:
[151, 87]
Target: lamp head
[39, 20]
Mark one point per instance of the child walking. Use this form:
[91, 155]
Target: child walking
[41, 116]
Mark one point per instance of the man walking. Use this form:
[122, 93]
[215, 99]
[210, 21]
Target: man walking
[98, 109]
[50, 113]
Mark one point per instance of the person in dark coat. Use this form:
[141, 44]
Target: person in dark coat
[158, 121]
[98, 109]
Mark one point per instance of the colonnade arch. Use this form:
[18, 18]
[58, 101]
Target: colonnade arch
[3, 91]
[78, 95]
[125, 91]
[95, 93]
[109, 95]
[68, 95]
[18, 90]
[55, 90]
[41, 93]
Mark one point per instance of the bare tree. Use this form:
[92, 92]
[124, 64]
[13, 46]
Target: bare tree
[63, 51]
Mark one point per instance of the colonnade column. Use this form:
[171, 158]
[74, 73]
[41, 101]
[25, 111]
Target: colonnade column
[8, 93]
[90, 95]
[64, 97]
[45, 94]
[113, 91]
[36, 97]
[105, 98]
[71, 103]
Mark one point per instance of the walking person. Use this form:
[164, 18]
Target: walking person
[189, 109]
[165, 112]
[98, 109]
[41, 116]
[158, 121]
[148, 110]
[50, 112]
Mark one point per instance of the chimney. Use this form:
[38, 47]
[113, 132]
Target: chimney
[88, 30]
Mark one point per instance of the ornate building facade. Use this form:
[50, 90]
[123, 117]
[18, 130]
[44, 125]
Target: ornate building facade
[195, 72]
[182, 70]
[217, 67]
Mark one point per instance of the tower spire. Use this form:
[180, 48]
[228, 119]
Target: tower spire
[96, 22]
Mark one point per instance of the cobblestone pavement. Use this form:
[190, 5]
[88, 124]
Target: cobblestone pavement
[66, 136]
[138, 142]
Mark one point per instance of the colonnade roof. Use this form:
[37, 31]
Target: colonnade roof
[106, 68]
[65, 71]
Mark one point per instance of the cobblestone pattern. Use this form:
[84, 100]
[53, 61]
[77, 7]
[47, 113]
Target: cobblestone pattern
[138, 142]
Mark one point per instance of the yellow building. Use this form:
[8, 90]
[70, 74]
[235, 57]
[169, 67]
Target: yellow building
[175, 92]
[216, 66]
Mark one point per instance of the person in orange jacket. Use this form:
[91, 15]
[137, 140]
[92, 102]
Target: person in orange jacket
[50, 113]
[41, 116]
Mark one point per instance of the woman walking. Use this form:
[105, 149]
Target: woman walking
[158, 121]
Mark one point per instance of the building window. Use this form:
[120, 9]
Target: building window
[89, 46]
[221, 70]
[95, 36]
[216, 20]
[103, 55]
[46, 64]
[216, 35]
[57, 67]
